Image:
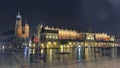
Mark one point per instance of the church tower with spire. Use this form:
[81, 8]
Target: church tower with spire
[18, 25]
[21, 31]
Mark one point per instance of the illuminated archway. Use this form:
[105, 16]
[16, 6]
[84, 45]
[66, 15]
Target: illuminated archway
[54, 44]
[70, 44]
[42, 45]
[49, 45]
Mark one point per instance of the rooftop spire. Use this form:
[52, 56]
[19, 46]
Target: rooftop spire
[18, 15]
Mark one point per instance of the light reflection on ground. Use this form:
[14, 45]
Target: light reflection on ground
[76, 54]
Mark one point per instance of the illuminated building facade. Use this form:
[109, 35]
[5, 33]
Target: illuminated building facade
[52, 37]
[21, 31]
[99, 40]
[90, 36]
[68, 34]
[49, 37]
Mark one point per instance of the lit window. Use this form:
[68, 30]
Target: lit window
[56, 37]
[50, 37]
[47, 36]
[53, 37]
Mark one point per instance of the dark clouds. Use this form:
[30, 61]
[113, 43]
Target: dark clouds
[98, 15]
[102, 15]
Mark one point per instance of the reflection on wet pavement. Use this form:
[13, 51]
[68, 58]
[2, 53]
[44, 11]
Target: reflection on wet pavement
[71, 55]
[66, 58]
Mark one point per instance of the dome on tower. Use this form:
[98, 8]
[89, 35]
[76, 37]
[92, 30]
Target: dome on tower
[18, 16]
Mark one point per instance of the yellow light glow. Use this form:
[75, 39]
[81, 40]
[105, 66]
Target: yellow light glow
[42, 51]
[49, 45]
[42, 45]
[34, 45]
[33, 51]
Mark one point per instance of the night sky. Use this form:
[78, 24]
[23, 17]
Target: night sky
[81, 15]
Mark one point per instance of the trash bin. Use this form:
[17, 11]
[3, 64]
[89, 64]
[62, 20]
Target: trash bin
[32, 58]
